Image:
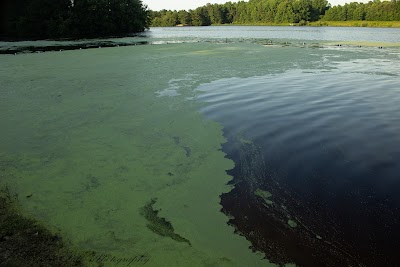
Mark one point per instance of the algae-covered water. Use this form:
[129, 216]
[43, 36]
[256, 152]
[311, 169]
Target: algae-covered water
[86, 134]
[114, 147]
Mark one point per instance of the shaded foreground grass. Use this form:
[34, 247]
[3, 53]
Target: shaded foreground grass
[25, 242]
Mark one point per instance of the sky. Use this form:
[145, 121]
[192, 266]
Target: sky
[180, 4]
[193, 4]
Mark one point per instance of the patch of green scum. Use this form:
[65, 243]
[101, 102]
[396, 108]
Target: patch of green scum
[205, 52]
[26, 242]
[292, 223]
[93, 141]
[159, 225]
[363, 43]
[265, 195]
[245, 141]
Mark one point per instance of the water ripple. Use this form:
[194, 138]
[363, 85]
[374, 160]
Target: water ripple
[330, 142]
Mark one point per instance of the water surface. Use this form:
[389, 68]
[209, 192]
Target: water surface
[390, 35]
[223, 34]
[317, 165]
[125, 151]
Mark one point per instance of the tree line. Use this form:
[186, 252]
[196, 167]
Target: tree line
[276, 11]
[372, 11]
[40, 19]
[251, 12]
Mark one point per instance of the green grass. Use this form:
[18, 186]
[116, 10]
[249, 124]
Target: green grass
[256, 24]
[362, 23]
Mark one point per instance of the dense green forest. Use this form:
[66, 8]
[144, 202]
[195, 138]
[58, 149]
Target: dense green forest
[277, 11]
[38, 19]
[372, 11]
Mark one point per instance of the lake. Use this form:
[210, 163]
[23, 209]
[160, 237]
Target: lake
[211, 146]
[390, 35]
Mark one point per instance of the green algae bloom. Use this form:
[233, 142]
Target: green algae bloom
[98, 151]
[86, 135]
[265, 195]
[159, 225]
[292, 223]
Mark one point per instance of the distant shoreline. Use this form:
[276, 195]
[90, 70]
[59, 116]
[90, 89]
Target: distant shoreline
[355, 24]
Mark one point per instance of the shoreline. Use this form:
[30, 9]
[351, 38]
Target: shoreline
[13, 50]
[354, 24]
[27, 241]
[28, 49]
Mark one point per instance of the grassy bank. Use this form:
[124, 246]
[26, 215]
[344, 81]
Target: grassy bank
[360, 23]
[256, 24]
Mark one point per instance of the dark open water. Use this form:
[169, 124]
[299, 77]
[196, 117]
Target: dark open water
[317, 176]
